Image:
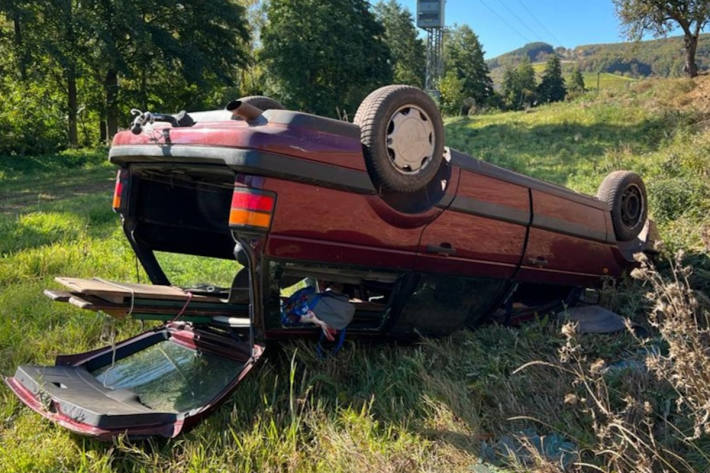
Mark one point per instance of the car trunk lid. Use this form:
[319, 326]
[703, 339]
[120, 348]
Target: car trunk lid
[161, 382]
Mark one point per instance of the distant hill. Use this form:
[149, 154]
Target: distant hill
[660, 57]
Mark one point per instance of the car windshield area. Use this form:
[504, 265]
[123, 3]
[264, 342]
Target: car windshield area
[170, 377]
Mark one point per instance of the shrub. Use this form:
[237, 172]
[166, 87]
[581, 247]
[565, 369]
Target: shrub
[31, 119]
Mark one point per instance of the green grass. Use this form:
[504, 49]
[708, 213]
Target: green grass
[577, 143]
[432, 406]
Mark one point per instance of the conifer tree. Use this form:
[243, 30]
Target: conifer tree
[577, 81]
[552, 87]
[464, 55]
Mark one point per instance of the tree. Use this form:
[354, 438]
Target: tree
[452, 94]
[144, 43]
[463, 54]
[324, 57]
[577, 81]
[148, 41]
[552, 86]
[519, 86]
[660, 16]
[49, 33]
[407, 50]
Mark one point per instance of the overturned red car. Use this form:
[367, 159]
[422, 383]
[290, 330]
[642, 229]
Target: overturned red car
[421, 239]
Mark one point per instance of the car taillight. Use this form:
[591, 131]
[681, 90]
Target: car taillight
[251, 208]
[118, 190]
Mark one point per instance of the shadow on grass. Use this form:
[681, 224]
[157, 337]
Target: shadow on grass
[12, 166]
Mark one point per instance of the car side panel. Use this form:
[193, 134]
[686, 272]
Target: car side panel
[569, 237]
[485, 224]
[314, 223]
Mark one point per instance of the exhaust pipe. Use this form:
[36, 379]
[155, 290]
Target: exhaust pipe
[244, 110]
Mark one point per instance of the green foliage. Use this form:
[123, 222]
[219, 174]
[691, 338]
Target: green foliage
[552, 87]
[31, 118]
[519, 86]
[576, 84]
[660, 18]
[99, 59]
[324, 57]
[407, 50]
[534, 52]
[452, 93]
[463, 54]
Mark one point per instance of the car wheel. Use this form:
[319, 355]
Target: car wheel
[402, 135]
[625, 193]
[262, 102]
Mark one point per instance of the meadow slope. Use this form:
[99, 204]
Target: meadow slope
[440, 405]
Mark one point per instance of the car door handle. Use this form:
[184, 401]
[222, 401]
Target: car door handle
[442, 249]
[539, 261]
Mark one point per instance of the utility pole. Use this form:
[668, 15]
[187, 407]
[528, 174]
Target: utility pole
[430, 18]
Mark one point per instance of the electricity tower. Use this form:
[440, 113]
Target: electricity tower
[430, 18]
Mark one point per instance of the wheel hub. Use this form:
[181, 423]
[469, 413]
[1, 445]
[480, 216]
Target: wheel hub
[410, 139]
[631, 205]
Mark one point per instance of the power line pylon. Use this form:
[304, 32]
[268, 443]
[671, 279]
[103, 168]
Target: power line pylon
[430, 18]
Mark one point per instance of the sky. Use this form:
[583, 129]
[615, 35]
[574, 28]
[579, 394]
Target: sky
[504, 25]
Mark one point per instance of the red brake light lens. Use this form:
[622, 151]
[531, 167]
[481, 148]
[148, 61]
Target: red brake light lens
[117, 191]
[251, 208]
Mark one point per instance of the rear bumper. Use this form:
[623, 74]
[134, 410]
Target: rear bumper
[250, 161]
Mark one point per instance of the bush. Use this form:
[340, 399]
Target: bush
[677, 196]
[31, 119]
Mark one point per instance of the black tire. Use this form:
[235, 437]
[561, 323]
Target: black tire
[262, 102]
[376, 118]
[625, 193]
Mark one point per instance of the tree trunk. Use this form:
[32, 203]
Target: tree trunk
[111, 90]
[691, 44]
[22, 57]
[72, 108]
[102, 129]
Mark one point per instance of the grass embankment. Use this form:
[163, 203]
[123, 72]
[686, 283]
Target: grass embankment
[436, 406]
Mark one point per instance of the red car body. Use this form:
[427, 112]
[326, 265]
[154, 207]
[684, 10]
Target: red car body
[290, 196]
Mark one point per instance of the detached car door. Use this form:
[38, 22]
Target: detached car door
[161, 382]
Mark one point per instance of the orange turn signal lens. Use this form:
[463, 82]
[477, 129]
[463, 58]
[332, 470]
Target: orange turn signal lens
[250, 218]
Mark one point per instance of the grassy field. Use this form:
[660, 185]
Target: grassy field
[440, 405]
[606, 81]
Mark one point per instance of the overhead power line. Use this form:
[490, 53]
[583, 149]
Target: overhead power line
[532, 15]
[520, 20]
[525, 38]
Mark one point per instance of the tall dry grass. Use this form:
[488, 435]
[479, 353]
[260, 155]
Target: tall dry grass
[652, 416]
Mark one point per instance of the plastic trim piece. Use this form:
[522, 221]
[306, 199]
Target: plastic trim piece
[249, 161]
